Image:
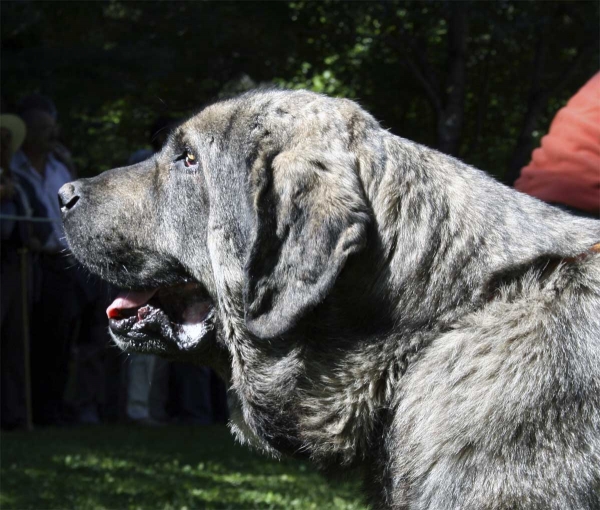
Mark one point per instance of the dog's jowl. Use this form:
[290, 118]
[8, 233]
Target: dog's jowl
[372, 304]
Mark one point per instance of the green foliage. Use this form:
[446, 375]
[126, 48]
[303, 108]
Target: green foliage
[113, 67]
[170, 468]
[370, 50]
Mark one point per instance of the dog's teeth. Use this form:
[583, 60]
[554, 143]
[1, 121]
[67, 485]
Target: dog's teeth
[143, 312]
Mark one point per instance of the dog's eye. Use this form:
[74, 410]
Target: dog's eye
[190, 159]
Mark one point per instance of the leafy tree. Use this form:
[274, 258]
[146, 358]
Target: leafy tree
[479, 80]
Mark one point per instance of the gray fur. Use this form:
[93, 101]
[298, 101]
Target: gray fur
[381, 308]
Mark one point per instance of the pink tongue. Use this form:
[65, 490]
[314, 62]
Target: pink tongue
[128, 300]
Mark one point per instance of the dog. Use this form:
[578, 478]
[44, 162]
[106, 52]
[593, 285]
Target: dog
[373, 305]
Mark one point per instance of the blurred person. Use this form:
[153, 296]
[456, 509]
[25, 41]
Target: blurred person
[55, 314]
[45, 104]
[16, 293]
[565, 169]
[88, 343]
[17, 195]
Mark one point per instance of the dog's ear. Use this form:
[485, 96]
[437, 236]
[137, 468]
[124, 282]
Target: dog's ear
[309, 216]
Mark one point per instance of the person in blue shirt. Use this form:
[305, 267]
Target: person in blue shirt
[55, 315]
[19, 242]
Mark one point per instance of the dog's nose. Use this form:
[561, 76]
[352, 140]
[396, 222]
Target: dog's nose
[68, 196]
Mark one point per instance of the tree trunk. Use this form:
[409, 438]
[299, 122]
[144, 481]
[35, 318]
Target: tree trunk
[450, 119]
[482, 100]
[535, 105]
[537, 102]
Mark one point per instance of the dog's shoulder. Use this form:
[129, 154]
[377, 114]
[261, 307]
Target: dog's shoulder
[510, 394]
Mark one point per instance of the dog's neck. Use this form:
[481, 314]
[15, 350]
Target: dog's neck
[434, 249]
[441, 245]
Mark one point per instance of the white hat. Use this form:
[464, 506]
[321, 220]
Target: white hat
[17, 129]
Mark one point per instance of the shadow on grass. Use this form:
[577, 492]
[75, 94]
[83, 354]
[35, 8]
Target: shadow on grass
[119, 467]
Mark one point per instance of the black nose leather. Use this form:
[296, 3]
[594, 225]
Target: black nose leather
[68, 196]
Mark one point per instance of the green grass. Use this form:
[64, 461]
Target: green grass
[174, 467]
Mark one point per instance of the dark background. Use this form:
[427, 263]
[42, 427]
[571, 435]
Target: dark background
[480, 80]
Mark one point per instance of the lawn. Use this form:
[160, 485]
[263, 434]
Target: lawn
[173, 467]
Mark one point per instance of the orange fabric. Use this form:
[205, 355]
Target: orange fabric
[566, 168]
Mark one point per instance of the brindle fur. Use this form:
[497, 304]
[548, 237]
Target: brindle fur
[382, 308]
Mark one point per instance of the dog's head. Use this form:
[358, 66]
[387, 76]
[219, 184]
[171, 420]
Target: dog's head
[245, 219]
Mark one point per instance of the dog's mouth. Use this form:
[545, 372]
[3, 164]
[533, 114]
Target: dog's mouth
[179, 315]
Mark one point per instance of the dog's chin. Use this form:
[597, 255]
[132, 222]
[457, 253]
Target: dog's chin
[169, 320]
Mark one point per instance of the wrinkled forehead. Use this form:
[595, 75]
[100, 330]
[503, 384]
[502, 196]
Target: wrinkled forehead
[279, 113]
[222, 116]
[217, 119]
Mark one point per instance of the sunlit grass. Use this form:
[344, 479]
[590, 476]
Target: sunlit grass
[120, 467]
